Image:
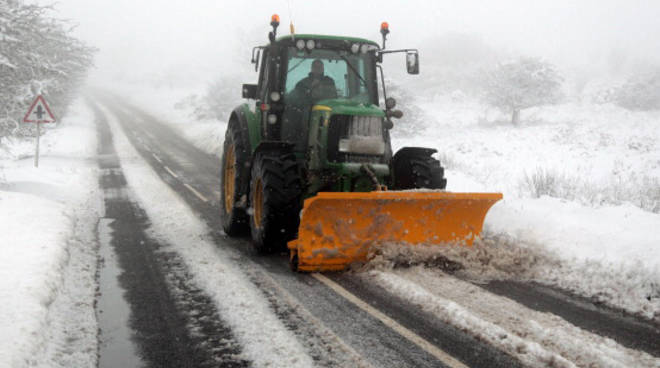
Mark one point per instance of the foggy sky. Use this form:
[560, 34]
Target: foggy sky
[195, 38]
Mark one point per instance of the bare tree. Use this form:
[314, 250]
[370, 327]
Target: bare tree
[37, 55]
[520, 84]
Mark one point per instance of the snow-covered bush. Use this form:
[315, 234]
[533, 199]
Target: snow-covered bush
[520, 84]
[640, 92]
[37, 55]
[545, 182]
[641, 191]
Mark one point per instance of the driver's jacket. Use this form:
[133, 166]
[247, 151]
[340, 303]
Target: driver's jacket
[310, 89]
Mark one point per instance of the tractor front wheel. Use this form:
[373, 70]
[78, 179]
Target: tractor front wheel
[415, 168]
[275, 190]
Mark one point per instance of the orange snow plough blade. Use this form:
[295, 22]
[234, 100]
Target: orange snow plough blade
[337, 229]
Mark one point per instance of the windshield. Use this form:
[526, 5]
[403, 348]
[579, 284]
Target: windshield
[322, 74]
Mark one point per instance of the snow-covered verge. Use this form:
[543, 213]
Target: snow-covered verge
[48, 248]
[263, 337]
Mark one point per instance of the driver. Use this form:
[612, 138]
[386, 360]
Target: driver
[316, 85]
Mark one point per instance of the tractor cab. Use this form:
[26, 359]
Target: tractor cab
[319, 69]
[297, 73]
[320, 94]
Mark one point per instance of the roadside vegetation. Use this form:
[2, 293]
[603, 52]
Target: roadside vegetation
[38, 55]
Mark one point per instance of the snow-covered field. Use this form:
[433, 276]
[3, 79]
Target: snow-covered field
[48, 247]
[581, 185]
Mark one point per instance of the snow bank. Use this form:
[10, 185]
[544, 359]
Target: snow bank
[263, 337]
[47, 248]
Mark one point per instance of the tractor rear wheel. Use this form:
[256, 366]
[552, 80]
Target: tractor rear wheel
[234, 179]
[415, 169]
[275, 191]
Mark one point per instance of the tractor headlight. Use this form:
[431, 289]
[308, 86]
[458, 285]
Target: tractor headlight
[311, 44]
[364, 48]
[275, 96]
[355, 48]
[272, 119]
[300, 44]
[344, 145]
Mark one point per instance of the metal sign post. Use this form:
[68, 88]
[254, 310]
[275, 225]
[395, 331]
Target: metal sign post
[41, 111]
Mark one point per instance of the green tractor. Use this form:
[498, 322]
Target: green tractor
[315, 124]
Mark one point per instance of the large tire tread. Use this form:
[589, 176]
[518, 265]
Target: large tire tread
[282, 188]
[419, 171]
[236, 222]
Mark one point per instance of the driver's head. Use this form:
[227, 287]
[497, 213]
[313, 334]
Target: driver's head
[317, 68]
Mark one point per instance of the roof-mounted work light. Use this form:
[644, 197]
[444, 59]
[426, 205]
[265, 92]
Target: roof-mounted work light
[384, 30]
[275, 22]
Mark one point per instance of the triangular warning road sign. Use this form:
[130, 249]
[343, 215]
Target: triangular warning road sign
[39, 112]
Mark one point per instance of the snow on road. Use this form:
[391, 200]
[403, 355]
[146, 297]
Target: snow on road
[538, 339]
[263, 337]
[48, 248]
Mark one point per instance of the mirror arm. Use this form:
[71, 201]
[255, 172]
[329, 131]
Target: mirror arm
[382, 52]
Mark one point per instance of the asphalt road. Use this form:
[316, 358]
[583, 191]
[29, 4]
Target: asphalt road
[380, 329]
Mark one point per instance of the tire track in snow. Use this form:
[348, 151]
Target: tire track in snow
[264, 340]
[538, 339]
[173, 322]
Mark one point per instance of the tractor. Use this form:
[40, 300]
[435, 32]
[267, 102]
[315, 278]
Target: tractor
[311, 153]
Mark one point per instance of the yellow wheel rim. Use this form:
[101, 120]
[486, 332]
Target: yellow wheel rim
[258, 203]
[230, 178]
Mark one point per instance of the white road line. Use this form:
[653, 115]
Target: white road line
[195, 192]
[157, 158]
[403, 331]
[171, 172]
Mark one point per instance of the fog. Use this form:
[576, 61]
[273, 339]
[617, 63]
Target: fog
[194, 40]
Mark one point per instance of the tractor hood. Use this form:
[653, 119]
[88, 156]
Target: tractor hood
[342, 106]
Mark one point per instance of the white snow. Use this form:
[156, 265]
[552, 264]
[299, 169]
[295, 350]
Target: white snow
[538, 339]
[47, 247]
[581, 182]
[265, 340]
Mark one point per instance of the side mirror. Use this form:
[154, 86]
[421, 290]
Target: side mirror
[256, 53]
[250, 91]
[412, 62]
